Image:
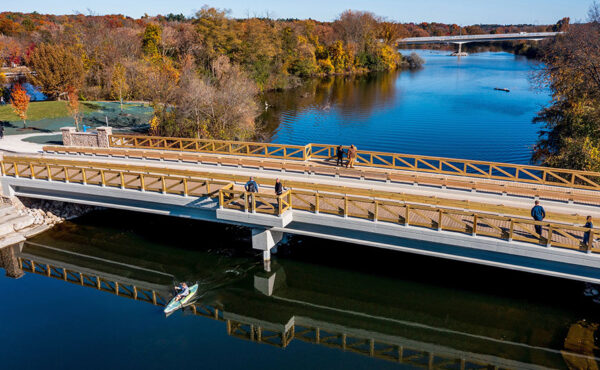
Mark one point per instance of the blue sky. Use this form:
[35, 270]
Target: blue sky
[457, 11]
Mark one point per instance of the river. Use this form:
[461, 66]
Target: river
[98, 306]
[448, 109]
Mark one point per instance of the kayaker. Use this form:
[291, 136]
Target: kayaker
[184, 291]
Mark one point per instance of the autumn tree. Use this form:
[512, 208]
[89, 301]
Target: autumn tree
[570, 136]
[56, 67]
[73, 105]
[151, 40]
[19, 99]
[120, 88]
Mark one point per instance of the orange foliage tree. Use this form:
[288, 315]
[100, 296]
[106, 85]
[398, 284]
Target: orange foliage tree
[20, 102]
[73, 105]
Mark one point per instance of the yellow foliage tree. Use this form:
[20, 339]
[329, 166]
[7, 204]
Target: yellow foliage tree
[20, 102]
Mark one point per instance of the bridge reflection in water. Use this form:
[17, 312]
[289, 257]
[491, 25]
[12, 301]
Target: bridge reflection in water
[288, 304]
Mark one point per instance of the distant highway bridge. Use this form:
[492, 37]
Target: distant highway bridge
[465, 39]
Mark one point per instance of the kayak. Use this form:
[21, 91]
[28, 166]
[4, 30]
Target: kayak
[175, 305]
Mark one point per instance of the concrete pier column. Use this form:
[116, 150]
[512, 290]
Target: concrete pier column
[9, 262]
[264, 240]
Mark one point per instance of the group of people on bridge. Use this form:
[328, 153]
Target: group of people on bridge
[538, 214]
[351, 154]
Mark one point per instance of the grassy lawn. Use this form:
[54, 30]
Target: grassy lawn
[44, 109]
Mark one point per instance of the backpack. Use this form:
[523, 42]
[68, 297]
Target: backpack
[251, 187]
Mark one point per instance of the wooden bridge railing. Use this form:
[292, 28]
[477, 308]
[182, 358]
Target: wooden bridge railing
[365, 204]
[430, 217]
[184, 181]
[211, 146]
[429, 164]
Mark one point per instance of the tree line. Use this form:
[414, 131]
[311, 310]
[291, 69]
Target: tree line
[202, 73]
[570, 134]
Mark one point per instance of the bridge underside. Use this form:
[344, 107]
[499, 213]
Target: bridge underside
[558, 262]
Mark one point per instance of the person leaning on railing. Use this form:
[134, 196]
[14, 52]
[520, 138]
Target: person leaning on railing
[278, 191]
[251, 187]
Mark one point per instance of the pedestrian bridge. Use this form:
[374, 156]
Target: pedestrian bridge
[471, 211]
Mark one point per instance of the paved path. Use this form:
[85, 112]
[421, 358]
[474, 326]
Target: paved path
[15, 143]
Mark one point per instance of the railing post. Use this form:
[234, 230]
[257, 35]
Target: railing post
[317, 202]
[549, 240]
[254, 203]
[289, 199]
[142, 183]
[84, 176]
[376, 211]
[246, 201]
[512, 227]
[440, 213]
[474, 231]
[590, 244]
[122, 179]
[66, 174]
[164, 185]
[221, 199]
[48, 170]
[31, 170]
[406, 219]
[103, 178]
[346, 206]
[279, 203]
[16, 169]
[185, 186]
[3, 168]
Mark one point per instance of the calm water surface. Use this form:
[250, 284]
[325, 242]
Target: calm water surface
[322, 304]
[449, 108]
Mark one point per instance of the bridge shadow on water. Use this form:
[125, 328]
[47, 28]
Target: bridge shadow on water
[340, 304]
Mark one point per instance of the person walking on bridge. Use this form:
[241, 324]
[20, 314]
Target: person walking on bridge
[352, 153]
[251, 187]
[340, 155]
[538, 214]
[586, 235]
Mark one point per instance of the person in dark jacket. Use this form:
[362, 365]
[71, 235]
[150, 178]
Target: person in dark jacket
[538, 214]
[340, 155]
[251, 187]
[278, 187]
[586, 235]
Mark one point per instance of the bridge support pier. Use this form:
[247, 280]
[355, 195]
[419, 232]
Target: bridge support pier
[265, 240]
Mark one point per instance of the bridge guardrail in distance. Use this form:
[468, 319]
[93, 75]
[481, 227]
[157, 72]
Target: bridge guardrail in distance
[210, 146]
[410, 162]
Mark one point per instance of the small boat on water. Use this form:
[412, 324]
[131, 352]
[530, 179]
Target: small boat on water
[501, 89]
[175, 305]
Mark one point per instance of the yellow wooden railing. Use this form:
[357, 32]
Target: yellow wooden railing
[210, 146]
[436, 218]
[367, 173]
[365, 204]
[429, 164]
[135, 177]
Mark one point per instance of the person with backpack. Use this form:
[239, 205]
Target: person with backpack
[340, 155]
[251, 187]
